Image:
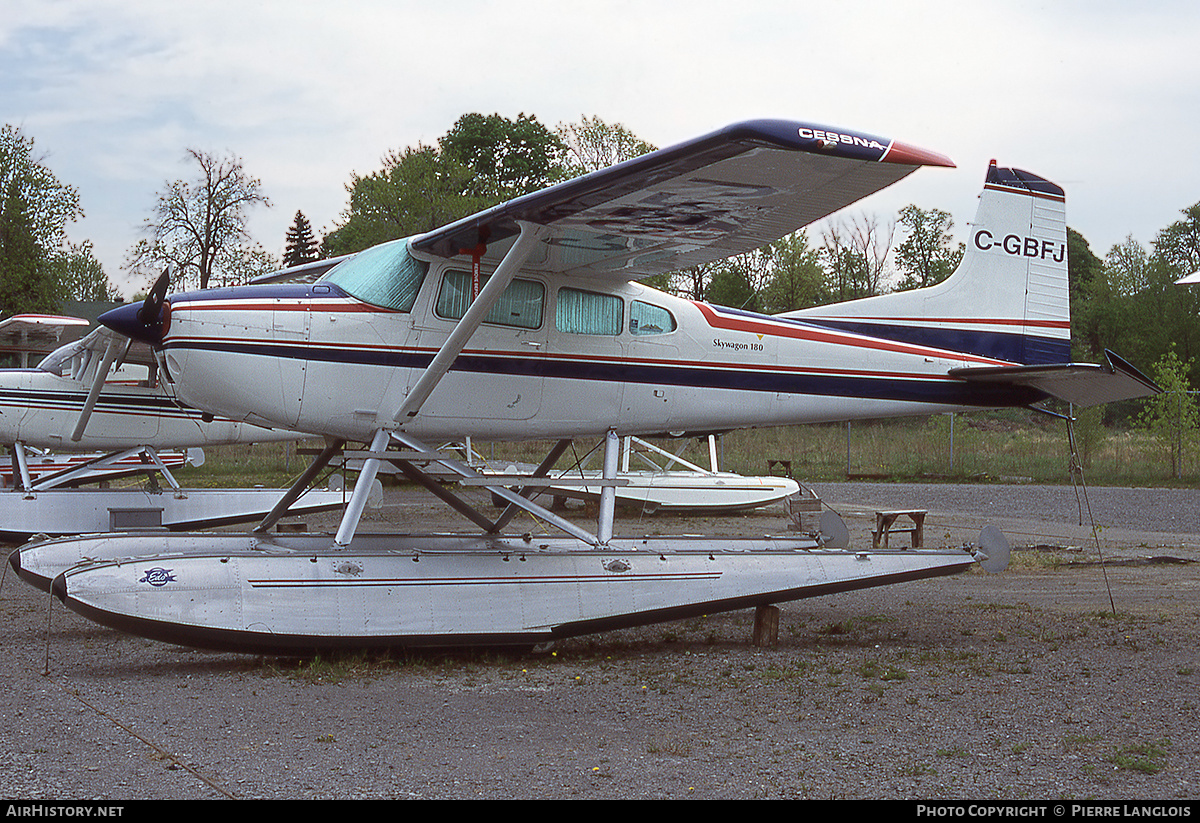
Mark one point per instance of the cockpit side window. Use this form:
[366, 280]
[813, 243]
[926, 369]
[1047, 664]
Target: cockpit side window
[519, 306]
[587, 312]
[385, 275]
[645, 318]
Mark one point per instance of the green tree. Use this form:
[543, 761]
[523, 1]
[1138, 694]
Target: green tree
[27, 282]
[854, 254]
[846, 275]
[1083, 266]
[480, 162]
[731, 286]
[1172, 417]
[48, 204]
[507, 158]
[198, 229]
[1132, 304]
[1176, 254]
[82, 276]
[1084, 271]
[1178, 245]
[928, 254]
[38, 266]
[417, 190]
[1127, 267]
[301, 245]
[797, 278]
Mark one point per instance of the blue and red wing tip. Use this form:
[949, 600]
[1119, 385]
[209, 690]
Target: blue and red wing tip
[1018, 179]
[822, 139]
[908, 155]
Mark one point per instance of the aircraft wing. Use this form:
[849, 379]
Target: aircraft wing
[729, 192]
[35, 333]
[1082, 384]
[303, 273]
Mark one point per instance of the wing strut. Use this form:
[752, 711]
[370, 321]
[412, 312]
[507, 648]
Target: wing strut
[478, 310]
[110, 354]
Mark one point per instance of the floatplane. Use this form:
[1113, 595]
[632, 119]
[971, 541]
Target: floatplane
[41, 465]
[659, 481]
[530, 321]
[95, 410]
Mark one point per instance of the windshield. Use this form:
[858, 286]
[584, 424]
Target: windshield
[384, 275]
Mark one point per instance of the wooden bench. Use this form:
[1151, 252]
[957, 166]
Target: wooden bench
[885, 526]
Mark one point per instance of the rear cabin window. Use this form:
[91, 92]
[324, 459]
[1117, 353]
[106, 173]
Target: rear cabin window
[587, 312]
[645, 318]
[520, 305]
[385, 275]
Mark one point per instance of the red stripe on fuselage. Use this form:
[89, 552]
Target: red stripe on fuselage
[817, 335]
[778, 368]
[978, 321]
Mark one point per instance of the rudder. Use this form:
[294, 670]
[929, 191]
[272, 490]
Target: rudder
[1007, 300]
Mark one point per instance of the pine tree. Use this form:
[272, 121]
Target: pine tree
[301, 245]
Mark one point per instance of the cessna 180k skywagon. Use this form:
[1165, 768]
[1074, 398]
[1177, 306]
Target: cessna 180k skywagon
[529, 321]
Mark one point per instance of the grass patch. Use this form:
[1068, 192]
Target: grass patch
[985, 446]
[1148, 757]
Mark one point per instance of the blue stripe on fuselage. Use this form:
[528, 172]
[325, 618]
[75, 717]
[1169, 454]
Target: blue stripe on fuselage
[917, 389]
[1027, 349]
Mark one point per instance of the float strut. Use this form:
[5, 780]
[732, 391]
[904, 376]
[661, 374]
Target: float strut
[608, 494]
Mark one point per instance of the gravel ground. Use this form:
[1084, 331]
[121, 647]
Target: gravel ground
[1021, 685]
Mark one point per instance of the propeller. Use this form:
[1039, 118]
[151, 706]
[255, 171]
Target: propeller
[150, 314]
[147, 322]
[992, 551]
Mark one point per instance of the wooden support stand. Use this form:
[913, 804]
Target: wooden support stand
[804, 509]
[885, 526]
[785, 465]
[766, 626]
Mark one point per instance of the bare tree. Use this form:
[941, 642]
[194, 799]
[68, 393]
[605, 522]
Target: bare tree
[591, 144]
[856, 252]
[199, 228]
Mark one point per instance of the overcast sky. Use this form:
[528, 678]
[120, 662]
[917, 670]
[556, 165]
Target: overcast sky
[1100, 97]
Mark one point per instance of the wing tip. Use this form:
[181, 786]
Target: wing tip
[909, 155]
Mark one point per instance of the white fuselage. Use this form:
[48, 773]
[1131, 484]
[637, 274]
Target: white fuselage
[316, 359]
[42, 409]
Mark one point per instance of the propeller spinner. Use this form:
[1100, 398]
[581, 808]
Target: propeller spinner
[147, 321]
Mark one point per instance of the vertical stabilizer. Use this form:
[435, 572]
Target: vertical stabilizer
[1007, 300]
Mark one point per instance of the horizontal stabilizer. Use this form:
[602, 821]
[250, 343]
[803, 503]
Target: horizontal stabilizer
[1081, 384]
